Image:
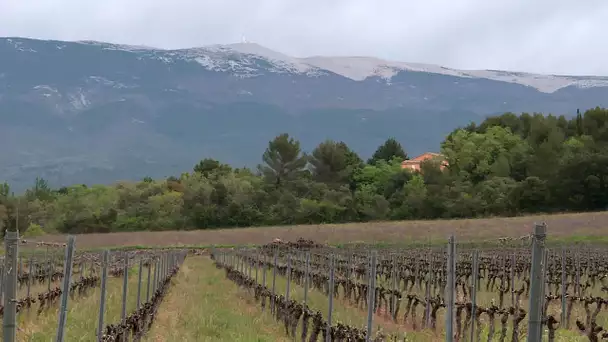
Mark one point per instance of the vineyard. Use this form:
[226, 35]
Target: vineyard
[306, 291]
[402, 295]
[121, 290]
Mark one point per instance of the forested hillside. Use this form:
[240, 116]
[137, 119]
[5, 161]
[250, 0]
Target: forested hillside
[508, 165]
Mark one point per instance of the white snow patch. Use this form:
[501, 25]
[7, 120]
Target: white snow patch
[109, 83]
[78, 100]
[46, 88]
[244, 92]
[19, 46]
[246, 60]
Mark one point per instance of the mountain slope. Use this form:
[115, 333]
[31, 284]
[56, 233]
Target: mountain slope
[92, 112]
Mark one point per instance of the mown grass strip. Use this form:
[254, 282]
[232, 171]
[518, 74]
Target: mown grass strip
[202, 305]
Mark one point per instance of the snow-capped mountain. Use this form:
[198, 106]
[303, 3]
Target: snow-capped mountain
[242, 60]
[92, 111]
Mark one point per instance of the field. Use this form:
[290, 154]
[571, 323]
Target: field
[586, 227]
[238, 285]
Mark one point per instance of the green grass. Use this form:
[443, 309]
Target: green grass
[202, 305]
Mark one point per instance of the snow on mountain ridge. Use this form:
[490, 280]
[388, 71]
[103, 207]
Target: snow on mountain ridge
[359, 68]
[251, 60]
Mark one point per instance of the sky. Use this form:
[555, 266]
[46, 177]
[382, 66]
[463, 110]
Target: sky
[544, 36]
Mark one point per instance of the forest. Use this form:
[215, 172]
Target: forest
[505, 166]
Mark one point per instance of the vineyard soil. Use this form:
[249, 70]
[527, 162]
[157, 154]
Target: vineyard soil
[563, 227]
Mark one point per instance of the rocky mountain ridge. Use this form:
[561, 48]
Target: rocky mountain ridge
[88, 112]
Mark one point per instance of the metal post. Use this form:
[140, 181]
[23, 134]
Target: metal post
[141, 264]
[288, 276]
[543, 292]
[394, 297]
[450, 287]
[274, 280]
[9, 275]
[150, 264]
[125, 284]
[256, 265]
[29, 276]
[332, 266]
[513, 280]
[564, 285]
[371, 296]
[536, 285]
[67, 277]
[577, 282]
[102, 300]
[50, 271]
[427, 311]
[475, 275]
[264, 269]
[2, 281]
[306, 277]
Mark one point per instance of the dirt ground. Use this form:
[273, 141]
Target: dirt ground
[582, 226]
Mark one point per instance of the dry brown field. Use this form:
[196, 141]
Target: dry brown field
[587, 227]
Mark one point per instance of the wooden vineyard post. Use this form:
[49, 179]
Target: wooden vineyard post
[536, 283]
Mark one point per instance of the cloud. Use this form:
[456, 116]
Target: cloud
[549, 36]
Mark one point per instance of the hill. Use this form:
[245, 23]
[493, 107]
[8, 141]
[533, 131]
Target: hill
[92, 112]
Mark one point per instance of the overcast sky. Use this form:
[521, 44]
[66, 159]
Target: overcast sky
[550, 36]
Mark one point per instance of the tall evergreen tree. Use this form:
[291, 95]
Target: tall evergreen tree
[208, 166]
[387, 151]
[334, 163]
[283, 160]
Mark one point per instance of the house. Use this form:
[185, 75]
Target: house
[414, 163]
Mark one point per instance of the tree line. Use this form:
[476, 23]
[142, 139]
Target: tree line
[507, 165]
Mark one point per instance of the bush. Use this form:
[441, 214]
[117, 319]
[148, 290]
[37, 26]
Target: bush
[33, 230]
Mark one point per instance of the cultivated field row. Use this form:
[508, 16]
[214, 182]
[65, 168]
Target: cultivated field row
[396, 294]
[60, 295]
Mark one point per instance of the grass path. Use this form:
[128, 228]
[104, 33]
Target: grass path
[202, 305]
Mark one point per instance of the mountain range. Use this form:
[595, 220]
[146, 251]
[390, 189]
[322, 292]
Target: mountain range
[94, 112]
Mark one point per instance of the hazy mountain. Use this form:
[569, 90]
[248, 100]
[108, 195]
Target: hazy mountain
[91, 112]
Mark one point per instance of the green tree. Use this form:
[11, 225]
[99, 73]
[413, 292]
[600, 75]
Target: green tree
[334, 163]
[388, 151]
[5, 190]
[283, 161]
[208, 166]
[40, 190]
[477, 156]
